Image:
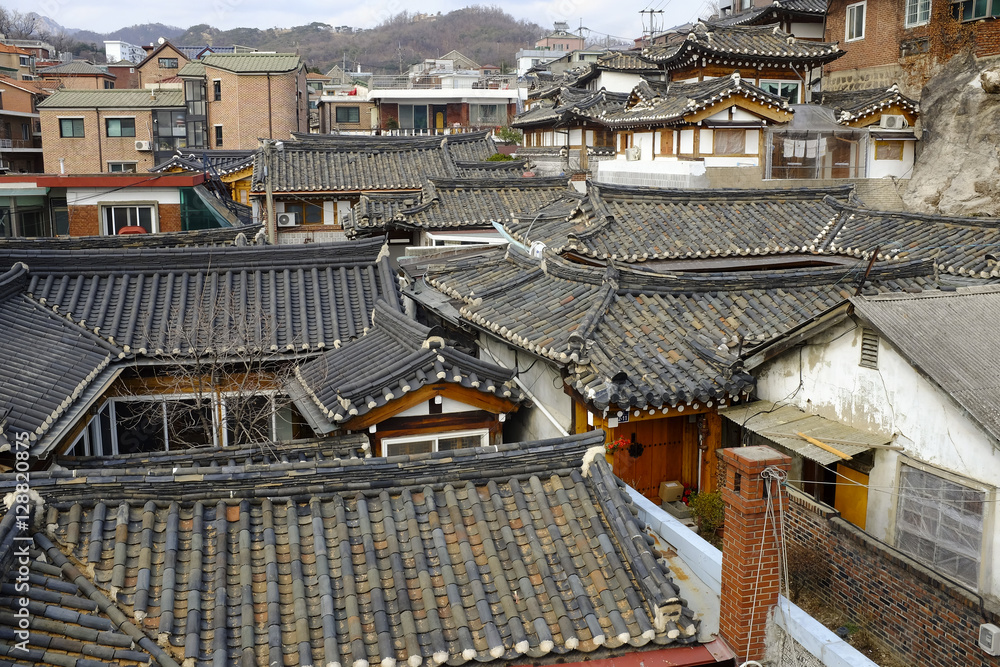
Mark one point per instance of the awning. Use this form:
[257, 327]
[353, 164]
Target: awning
[893, 135]
[20, 190]
[784, 424]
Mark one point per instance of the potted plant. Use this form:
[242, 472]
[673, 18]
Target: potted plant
[708, 512]
[610, 448]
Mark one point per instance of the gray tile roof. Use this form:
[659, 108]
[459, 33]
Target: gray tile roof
[218, 161]
[659, 105]
[773, 13]
[374, 210]
[219, 236]
[572, 104]
[854, 105]
[631, 61]
[168, 301]
[49, 362]
[466, 202]
[497, 555]
[966, 368]
[76, 67]
[395, 357]
[630, 337]
[347, 163]
[754, 44]
[117, 98]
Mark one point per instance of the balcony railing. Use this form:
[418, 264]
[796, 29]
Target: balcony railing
[393, 82]
[20, 143]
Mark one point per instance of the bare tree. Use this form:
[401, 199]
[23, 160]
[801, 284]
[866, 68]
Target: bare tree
[217, 380]
[17, 25]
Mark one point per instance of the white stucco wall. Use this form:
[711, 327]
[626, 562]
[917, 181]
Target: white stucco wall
[617, 82]
[546, 385]
[825, 378]
[895, 168]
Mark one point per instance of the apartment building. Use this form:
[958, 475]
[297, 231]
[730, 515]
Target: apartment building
[20, 130]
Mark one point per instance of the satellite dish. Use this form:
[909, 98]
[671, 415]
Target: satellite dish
[160, 40]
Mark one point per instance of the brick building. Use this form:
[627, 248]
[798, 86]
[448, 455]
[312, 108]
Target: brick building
[20, 130]
[86, 132]
[126, 74]
[889, 42]
[163, 62]
[222, 88]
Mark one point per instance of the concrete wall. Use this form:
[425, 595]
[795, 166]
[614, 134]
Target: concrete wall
[894, 399]
[544, 381]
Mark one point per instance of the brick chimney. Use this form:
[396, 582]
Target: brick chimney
[746, 565]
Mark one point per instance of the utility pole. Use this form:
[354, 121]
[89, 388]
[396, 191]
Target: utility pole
[647, 37]
[270, 146]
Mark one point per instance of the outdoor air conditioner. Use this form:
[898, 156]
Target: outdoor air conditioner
[143, 145]
[632, 154]
[288, 219]
[893, 122]
[989, 638]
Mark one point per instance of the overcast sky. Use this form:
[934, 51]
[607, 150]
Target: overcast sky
[620, 19]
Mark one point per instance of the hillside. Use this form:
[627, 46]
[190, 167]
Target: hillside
[136, 34]
[488, 35]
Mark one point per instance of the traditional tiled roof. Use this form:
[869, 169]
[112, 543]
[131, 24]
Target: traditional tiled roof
[746, 45]
[219, 161]
[501, 170]
[178, 301]
[338, 163]
[572, 103]
[374, 210]
[467, 202]
[854, 105]
[631, 61]
[395, 357]
[654, 104]
[50, 364]
[634, 224]
[374, 561]
[643, 339]
[253, 63]
[966, 367]
[774, 12]
[70, 623]
[113, 99]
[220, 236]
[76, 68]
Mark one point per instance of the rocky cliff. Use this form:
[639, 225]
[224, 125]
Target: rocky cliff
[957, 171]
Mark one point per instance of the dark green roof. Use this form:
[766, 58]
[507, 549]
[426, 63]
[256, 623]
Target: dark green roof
[113, 99]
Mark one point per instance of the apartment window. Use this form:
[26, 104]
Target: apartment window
[309, 214]
[786, 89]
[120, 127]
[218, 136]
[486, 114]
[856, 21]
[1, 102]
[940, 522]
[729, 142]
[70, 127]
[25, 132]
[348, 114]
[918, 12]
[424, 444]
[122, 167]
[217, 89]
[140, 215]
[168, 63]
[970, 10]
[109, 85]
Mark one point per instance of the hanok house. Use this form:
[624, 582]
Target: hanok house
[224, 571]
[458, 211]
[671, 135]
[633, 318]
[412, 391]
[105, 204]
[232, 168]
[167, 348]
[316, 180]
[804, 19]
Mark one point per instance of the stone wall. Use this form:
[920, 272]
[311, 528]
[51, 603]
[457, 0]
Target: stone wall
[877, 193]
[922, 617]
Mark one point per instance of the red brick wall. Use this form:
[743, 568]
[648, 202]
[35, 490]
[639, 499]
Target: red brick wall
[170, 217]
[457, 113]
[387, 111]
[84, 221]
[925, 619]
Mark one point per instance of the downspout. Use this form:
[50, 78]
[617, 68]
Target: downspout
[100, 155]
[527, 392]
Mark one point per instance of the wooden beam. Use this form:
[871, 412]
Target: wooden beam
[824, 446]
[474, 397]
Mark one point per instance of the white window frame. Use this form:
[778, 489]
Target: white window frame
[130, 204]
[850, 22]
[484, 433]
[919, 21]
[988, 503]
[123, 171]
[780, 82]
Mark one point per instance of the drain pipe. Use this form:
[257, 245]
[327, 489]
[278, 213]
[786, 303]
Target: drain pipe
[529, 394]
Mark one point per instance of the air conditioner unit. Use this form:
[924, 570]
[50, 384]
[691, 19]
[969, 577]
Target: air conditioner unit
[989, 638]
[143, 145]
[633, 154]
[288, 219]
[893, 122]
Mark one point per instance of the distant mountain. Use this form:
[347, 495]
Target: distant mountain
[45, 25]
[145, 33]
[488, 35]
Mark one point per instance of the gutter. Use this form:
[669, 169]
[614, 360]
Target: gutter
[767, 351]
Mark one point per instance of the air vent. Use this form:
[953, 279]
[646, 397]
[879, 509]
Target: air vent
[869, 348]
